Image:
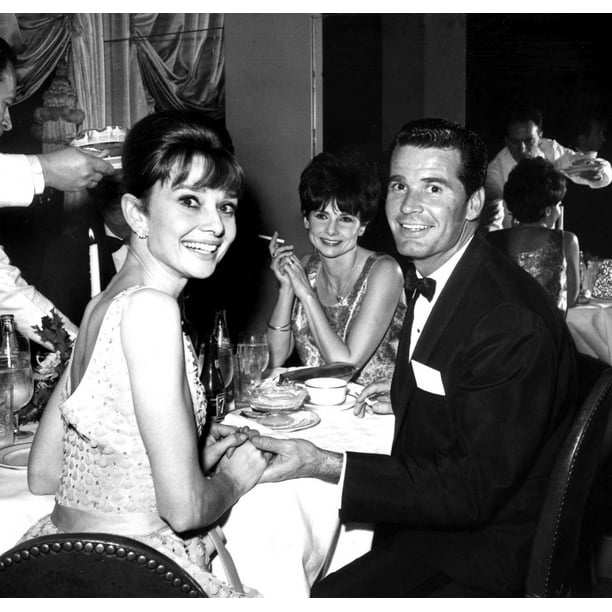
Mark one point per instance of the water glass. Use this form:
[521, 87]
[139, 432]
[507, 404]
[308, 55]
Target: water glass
[6, 416]
[252, 355]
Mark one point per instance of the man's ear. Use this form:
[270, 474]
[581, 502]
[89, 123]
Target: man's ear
[475, 204]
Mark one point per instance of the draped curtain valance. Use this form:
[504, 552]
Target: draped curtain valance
[123, 65]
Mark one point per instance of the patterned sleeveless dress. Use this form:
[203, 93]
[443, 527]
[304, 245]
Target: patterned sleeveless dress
[341, 316]
[106, 474]
[549, 267]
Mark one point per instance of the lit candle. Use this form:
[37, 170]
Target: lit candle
[94, 265]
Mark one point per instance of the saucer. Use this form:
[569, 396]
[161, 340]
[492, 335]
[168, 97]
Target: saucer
[15, 457]
[349, 402]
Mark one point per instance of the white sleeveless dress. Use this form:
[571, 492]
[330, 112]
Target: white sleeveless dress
[106, 478]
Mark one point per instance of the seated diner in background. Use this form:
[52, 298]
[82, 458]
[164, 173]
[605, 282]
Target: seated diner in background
[524, 140]
[119, 441]
[340, 303]
[533, 194]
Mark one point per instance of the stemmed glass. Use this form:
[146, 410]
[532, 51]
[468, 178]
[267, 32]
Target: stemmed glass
[253, 355]
[16, 370]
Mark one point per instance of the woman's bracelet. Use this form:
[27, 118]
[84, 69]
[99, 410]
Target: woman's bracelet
[281, 328]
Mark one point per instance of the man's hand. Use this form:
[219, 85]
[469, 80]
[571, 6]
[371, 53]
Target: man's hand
[374, 399]
[297, 459]
[71, 169]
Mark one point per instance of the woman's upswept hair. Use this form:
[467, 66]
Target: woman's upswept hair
[346, 179]
[532, 186]
[166, 142]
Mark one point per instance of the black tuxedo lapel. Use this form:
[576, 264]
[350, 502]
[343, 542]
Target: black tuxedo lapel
[450, 300]
[448, 306]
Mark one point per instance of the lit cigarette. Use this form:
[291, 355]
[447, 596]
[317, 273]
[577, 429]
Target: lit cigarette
[279, 240]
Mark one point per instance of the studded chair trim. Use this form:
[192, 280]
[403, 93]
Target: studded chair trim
[92, 565]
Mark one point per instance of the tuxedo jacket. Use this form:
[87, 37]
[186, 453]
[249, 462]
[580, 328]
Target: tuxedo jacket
[479, 419]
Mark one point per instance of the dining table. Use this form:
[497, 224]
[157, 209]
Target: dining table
[590, 324]
[282, 536]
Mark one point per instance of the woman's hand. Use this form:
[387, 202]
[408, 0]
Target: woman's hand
[244, 467]
[298, 278]
[222, 439]
[374, 399]
[279, 253]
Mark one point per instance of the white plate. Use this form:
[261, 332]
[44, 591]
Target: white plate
[349, 402]
[287, 421]
[15, 457]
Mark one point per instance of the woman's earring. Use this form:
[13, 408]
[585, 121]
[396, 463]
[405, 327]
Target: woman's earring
[142, 234]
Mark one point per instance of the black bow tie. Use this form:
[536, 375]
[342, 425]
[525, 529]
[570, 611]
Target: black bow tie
[413, 285]
[113, 244]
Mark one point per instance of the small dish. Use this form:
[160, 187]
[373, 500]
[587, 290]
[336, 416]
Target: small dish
[288, 421]
[15, 457]
[326, 391]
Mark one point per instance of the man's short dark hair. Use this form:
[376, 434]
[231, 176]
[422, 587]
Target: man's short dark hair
[7, 56]
[443, 134]
[523, 114]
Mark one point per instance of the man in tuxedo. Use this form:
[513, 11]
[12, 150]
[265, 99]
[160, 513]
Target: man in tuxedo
[483, 395]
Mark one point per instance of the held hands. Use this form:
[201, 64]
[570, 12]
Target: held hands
[229, 451]
[71, 169]
[223, 439]
[374, 399]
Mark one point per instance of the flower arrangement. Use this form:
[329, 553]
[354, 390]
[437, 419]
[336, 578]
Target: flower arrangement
[49, 367]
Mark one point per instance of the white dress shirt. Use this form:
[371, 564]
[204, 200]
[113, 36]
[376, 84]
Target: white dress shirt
[423, 307]
[21, 178]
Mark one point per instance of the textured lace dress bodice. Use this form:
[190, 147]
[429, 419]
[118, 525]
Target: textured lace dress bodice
[548, 266]
[341, 317]
[106, 470]
[106, 467]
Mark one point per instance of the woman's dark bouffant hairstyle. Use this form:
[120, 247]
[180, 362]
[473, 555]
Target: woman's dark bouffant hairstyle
[346, 179]
[532, 186]
[165, 140]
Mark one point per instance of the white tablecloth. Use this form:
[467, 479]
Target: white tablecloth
[19, 509]
[281, 535]
[591, 327]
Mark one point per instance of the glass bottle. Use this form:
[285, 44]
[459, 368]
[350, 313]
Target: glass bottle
[15, 368]
[225, 356]
[211, 378]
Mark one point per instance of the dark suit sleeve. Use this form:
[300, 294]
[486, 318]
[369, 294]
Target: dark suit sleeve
[500, 408]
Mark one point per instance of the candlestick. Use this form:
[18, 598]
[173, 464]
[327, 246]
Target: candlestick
[94, 265]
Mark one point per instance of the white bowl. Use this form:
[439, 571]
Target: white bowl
[326, 391]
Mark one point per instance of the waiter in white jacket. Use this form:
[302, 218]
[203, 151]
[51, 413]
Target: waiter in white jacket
[21, 178]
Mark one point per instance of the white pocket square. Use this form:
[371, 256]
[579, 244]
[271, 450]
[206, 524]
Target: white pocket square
[427, 378]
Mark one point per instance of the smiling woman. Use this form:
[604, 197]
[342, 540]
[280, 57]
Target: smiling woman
[119, 441]
[342, 302]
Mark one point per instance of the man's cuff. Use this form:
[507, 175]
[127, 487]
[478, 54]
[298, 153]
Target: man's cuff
[38, 177]
[340, 485]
